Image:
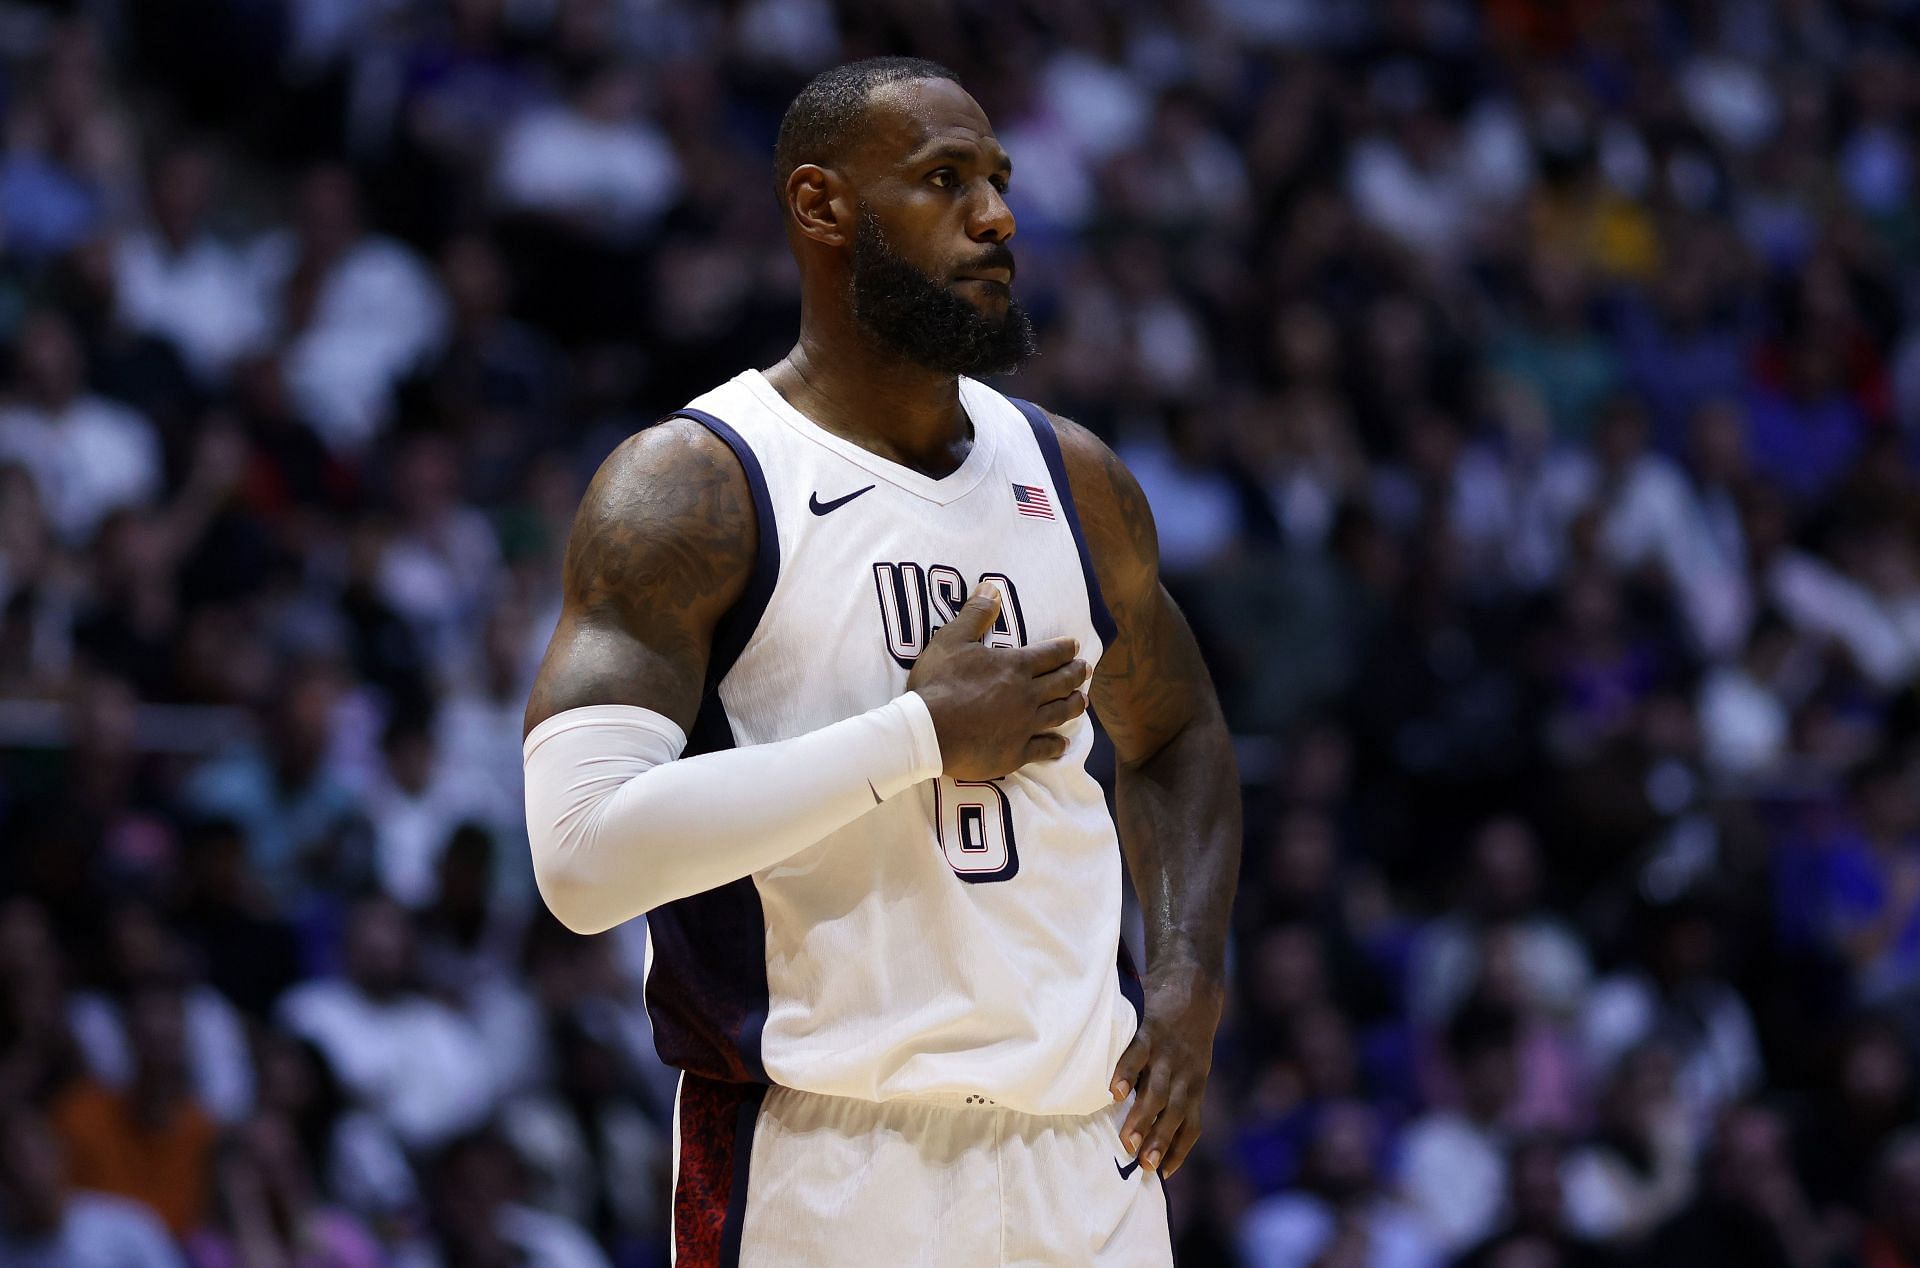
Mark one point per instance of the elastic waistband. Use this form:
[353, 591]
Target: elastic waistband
[953, 1102]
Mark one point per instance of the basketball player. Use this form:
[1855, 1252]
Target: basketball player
[816, 705]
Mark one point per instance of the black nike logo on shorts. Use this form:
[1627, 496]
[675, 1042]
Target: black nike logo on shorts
[818, 507]
[1126, 1172]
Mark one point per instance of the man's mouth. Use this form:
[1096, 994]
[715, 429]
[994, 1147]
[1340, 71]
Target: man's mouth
[999, 277]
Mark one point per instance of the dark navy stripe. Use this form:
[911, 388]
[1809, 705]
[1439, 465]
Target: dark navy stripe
[749, 1118]
[714, 1120]
[707, 995]
[1056, 466]
[739, 622]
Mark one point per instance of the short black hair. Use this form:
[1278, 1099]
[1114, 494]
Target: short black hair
[828, 112]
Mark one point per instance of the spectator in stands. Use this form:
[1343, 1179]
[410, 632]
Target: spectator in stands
[414, 1061]
[441, 569]
[1652, 523]
[595, 162]
[1552, 1092]
[46, 1224]
[1315, 1066]
[496, 385]
[1338, 1213]
[1869, 895]
[39, 1054]
[1683, 348]
[1554, 348]
[87, 454]
[1453, 1161]
[301, 821]
[1806, 425]
[70, 152]
[1751, 1209]
[1638, 1169]
[1537, 1231]
[152, 1142]
[145, 955]
[226, 917]
[470, 940]
[591, 1151]
[175, 278]
[477, 724]
[1680, 997]
[1745, 705]
[267, 1209]
[1501, 887]
[415, 805]
[1866, 1097]
[353, 311]
[482, 1218]
[353, 1156]
[470, 947]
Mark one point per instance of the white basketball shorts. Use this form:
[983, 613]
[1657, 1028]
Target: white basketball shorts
[766, 1177]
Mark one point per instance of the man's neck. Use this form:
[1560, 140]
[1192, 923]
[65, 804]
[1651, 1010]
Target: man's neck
[900, 411]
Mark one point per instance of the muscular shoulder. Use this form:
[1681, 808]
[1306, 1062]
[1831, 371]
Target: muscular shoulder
[668, 519]
[662, 546]
[1114, 513]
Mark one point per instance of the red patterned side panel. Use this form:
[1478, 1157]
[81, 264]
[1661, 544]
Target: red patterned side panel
[710, 1182]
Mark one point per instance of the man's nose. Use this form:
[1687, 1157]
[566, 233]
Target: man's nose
[992, 220]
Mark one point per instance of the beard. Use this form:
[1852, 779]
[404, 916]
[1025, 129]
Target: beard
[923, 320]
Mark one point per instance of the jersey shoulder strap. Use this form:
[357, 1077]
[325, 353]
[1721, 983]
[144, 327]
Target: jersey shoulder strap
[1048, 440]
[738, 623]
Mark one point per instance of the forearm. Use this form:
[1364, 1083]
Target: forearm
[1180, 831]
[618, 826]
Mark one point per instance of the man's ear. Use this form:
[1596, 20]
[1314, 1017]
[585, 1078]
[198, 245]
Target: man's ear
[821, 204]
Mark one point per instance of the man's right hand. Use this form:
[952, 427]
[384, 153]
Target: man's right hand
[996, 709]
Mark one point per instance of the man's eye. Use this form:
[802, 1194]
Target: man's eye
[1000, 183]
[943, 178]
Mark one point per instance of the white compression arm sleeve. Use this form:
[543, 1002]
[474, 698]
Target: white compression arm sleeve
[619, 826]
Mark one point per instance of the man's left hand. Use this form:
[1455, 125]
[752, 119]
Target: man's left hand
[1167, 1066]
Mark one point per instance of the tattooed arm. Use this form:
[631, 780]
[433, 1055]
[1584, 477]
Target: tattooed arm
[619, 824]
[661, 547]
[1178, 796]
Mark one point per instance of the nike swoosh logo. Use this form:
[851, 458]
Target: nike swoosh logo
[1126, 1172]
[818, 507]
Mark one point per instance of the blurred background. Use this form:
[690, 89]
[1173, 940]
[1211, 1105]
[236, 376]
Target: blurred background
[1529, 395]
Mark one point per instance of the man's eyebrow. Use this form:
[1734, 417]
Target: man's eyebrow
[960, 152]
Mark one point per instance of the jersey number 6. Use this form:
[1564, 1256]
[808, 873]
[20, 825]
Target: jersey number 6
[974, 822]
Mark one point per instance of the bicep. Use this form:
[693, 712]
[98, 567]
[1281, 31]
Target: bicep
[595, 660]
[661, 547]
[1151, 682]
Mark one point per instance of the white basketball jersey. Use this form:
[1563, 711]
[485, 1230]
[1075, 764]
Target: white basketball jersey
[960, 939]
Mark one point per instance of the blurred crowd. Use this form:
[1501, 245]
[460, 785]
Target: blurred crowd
[1528, 392]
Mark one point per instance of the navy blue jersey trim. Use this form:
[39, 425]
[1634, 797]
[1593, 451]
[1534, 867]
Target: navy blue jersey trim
[1056, 467]
[737, 625]
[708, 995]
[749, 1118]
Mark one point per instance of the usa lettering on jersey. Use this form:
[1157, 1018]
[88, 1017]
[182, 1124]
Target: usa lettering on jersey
[973, 820]
[916, 601]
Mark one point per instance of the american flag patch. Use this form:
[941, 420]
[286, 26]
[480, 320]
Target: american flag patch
[1031, 499]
